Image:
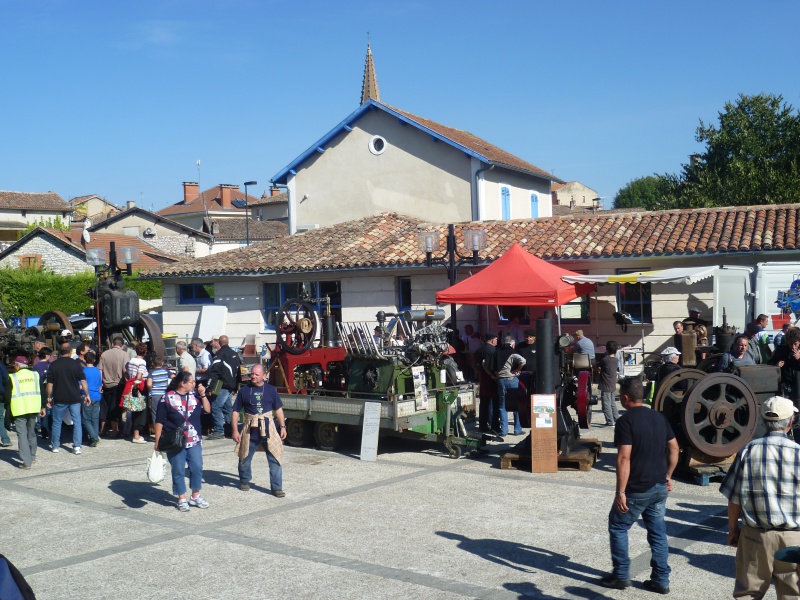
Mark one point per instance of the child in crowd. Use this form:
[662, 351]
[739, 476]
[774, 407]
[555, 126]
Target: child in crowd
[91, 413]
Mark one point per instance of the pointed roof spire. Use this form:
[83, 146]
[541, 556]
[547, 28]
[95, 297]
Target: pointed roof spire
[369, 87]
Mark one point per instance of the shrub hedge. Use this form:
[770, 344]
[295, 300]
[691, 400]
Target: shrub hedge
[35, 291]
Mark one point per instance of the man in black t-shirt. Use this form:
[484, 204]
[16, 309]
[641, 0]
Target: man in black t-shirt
[647, 453]
[65, 384]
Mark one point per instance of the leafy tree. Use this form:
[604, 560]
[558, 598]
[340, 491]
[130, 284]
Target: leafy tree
[751, 157]
[654, 192]
[56, 223]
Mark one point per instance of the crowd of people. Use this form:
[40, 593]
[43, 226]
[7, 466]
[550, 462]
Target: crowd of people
[127, 394]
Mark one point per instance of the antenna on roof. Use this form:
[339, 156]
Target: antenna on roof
[202, 194]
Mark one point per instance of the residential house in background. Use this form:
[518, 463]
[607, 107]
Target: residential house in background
[228, 234]
[18, 210]
[381, 158]
[223, 201]
[92, 207]
[64, 252]
[168, 236]
[272, 207]
[573, 196]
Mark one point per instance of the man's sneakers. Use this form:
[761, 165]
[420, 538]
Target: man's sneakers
[278, 493]
[198, 502]
[76, 450]
[615, 584]
[245, 487]
[5, 443]
[25, 467]
[55, 450]
[652, 586]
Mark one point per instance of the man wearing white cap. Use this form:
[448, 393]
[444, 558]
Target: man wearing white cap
[669, 358]
[761, 489]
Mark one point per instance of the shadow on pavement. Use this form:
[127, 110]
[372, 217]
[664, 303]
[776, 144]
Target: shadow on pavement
[137, 494]
[528, 559]
[222, 479]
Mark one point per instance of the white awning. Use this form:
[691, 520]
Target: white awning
[685, 275]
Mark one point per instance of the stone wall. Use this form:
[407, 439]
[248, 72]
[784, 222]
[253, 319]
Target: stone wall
[176, 245]
[53, 257]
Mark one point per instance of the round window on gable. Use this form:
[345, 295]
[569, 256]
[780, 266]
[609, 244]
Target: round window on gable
[377, 145]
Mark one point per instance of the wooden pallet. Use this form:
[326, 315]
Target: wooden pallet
[702, 475]
[581, 458]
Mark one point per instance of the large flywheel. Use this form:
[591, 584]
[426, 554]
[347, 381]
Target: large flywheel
[720, 415]
[583, 405]
[155, 343]
[296, 327]
[672, 389]
[55, 321]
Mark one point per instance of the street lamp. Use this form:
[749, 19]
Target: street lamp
[474, 242]
[247, 211]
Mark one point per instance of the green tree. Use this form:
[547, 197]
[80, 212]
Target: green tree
[752, 156]
[654, 192]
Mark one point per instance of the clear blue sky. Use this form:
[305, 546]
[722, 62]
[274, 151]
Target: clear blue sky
[122, 98]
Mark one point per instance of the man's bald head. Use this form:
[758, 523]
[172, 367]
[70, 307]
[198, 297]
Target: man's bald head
[223, 340]
[258, 369]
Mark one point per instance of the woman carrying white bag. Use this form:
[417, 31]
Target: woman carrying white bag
[157, 467]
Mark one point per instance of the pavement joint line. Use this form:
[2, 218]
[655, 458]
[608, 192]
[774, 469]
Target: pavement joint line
[181, 529]
[359, 566]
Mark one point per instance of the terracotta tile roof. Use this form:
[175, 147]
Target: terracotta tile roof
[78, 200]
[473, 142]
[33, 201]
[390, 240]
[235, 229]
[277, 199]
[149, 256]
[213, 202]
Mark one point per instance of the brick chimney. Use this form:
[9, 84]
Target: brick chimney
[226, 192]
[275, 191]
[191, 190]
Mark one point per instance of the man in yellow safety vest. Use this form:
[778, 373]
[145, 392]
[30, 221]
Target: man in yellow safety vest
[25, 406]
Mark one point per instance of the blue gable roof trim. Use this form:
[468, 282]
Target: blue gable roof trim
[347, 125]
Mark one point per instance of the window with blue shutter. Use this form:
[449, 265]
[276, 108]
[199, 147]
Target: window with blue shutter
[505, 203]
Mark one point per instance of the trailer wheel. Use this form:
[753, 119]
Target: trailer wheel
[455, 451]
[327, 436]
[298, 433]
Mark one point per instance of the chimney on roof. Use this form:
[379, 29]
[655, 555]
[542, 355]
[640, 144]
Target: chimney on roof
[226, 191]
[190, 191]
[274, 191]
[131, 204]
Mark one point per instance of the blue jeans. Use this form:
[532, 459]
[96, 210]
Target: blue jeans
[177, 463]
[503, 385]
[58, 419]
[275, 471]
[221, 409]
[3, 431]
[652, 506]
[91, 420]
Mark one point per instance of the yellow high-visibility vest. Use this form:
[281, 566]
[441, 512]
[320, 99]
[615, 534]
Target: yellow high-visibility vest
[26, 393]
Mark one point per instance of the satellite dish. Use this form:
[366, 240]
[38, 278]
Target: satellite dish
[85, 236]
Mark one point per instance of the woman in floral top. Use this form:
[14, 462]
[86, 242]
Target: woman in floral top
[179, 408]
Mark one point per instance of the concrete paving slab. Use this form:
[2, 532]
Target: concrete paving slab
[413, 524]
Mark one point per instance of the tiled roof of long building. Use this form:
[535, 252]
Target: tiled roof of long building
[390, 240]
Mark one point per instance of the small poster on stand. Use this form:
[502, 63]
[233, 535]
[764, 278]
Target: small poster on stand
[420, 387]
[544, 444]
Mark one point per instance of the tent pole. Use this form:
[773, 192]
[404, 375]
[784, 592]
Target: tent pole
[641, 313]
[596, 318]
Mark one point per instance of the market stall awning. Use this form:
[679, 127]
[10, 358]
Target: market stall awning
[678, 275]
[517, 278]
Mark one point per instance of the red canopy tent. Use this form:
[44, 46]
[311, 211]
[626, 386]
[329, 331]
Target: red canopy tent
[517, 278]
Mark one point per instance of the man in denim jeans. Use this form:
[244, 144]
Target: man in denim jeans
[226, 369]
[647, 453]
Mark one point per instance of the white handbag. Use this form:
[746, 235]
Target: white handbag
[157, 467]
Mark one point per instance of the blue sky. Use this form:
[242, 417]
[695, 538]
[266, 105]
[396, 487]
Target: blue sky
[122, 99]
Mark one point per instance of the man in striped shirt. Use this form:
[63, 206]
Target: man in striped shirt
[761, 488]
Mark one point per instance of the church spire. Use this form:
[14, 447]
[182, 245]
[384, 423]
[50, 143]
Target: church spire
[369, 88]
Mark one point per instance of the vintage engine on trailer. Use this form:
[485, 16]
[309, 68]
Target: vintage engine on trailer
[325, 386]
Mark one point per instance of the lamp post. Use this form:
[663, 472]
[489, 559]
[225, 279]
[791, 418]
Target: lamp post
[452, 259]
[247, 211]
